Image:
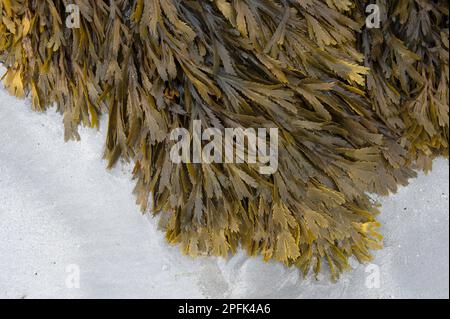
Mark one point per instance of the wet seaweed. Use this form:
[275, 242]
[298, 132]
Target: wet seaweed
[357, 109]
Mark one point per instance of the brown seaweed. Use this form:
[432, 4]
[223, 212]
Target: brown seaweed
[357, 109]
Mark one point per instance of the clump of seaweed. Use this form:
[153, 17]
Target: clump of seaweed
[409, 73]
[299, 66]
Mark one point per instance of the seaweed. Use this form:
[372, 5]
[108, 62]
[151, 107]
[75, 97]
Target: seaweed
[357, 109]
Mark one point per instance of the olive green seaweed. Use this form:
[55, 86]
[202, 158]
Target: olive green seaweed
[358, 109]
